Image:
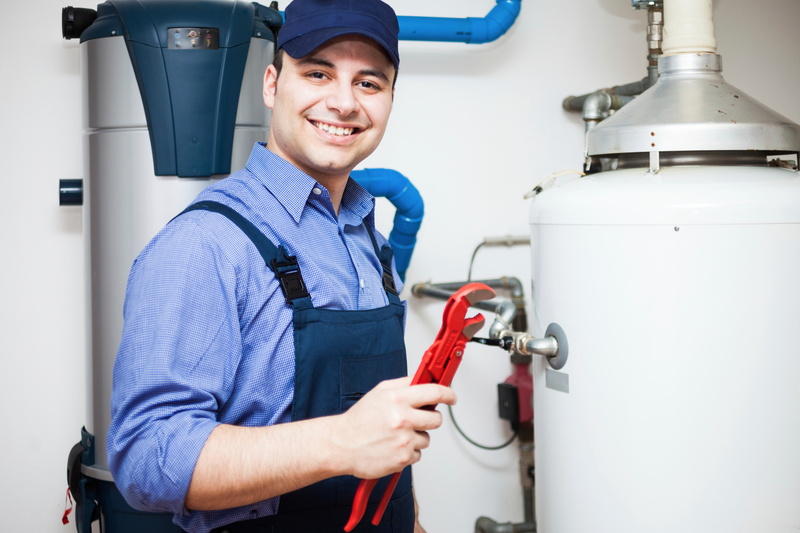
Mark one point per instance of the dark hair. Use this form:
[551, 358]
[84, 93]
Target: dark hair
[277, 62]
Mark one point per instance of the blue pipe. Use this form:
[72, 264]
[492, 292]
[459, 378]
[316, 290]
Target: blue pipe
[399, 190]
[468, 30]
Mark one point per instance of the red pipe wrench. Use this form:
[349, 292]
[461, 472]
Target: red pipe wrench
[438, 365]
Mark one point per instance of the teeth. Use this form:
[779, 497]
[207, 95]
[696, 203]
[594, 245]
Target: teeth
[333, 130]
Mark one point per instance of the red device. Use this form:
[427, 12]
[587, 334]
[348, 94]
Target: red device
[438, 365]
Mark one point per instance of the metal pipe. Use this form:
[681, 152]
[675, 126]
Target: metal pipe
[527, 345]
[655, 25]
[575, 103]
[597, 106]
[487, 525]
[519, 321]
[501, 327]
[505, 311]
[428, 289]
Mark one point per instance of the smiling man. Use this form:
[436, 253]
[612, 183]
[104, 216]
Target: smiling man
[330, 108]
[261, 369]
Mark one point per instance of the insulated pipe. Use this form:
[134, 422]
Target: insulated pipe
[688, 27]
[466, 30]
[399, 190]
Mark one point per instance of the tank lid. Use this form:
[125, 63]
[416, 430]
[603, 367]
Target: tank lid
[692, 108]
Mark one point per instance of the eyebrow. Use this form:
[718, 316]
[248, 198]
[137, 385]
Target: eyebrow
[318, 61]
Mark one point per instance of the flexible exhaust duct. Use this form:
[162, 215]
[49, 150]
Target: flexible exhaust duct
[688, 27]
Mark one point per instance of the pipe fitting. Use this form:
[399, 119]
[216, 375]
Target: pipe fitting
[528, 345]
[597, 106]
[501, 327]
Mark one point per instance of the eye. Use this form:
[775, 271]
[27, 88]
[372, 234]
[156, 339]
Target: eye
[369, 86]
[316, 75]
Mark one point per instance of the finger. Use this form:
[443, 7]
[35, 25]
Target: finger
[417, 456]
[431, 394]
[426, 420]
[423, 441]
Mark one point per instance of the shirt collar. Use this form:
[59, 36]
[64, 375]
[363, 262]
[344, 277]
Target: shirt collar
[292, 187]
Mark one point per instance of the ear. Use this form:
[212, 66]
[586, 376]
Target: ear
[270, 86]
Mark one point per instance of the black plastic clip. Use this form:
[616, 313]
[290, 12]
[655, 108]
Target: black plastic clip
[388, 281]
[290, 278]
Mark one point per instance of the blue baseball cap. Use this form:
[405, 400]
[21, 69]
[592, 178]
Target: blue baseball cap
[311, 23]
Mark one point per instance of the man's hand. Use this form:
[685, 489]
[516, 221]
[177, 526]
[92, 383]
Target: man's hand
[381, 434]
[386, 430]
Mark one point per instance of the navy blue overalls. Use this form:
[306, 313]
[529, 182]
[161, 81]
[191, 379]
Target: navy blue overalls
[339, 356]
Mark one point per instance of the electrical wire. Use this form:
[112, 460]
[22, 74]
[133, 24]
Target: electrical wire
[472, 260]
[482, 341]
[548, 181]
[481, 446]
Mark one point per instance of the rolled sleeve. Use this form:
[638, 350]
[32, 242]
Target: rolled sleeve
[175, 368]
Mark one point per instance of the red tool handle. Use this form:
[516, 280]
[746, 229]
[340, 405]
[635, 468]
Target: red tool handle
[438, 365]
[360, 503]
[387, 495]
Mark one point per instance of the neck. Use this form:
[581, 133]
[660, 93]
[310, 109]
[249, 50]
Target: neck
[335, 188]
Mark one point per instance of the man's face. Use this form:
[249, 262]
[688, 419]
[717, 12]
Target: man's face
[330, 108]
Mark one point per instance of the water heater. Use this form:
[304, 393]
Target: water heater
[171, 102]
[674, 273]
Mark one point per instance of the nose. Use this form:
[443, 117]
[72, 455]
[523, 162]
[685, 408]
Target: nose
[343, 99]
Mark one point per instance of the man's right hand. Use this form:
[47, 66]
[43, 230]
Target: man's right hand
[386, 430]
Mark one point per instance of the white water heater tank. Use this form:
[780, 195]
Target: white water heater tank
[675, 275]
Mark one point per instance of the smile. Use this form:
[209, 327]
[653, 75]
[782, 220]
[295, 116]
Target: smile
[333, 130]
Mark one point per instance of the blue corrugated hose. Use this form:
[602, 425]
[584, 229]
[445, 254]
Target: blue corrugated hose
[399, 190]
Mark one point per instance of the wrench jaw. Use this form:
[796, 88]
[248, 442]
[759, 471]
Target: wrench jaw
[479, 294]
[473, 326]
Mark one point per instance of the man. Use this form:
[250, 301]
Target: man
[259, 374]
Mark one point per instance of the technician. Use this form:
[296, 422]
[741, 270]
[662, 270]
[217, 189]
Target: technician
[260, 369]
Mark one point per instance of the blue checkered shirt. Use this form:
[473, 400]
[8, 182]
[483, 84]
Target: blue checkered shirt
[207, 336]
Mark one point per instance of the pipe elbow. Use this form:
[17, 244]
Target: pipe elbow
[386, 182]
[506, 311]
[597, 106]
[394, 186]
[496, 23]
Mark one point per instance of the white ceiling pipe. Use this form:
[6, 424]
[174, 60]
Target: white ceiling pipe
[688, 27]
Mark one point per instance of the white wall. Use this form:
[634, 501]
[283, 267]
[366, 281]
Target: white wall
[474, 127]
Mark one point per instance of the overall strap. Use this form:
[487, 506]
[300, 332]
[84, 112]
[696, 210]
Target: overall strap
[276, 258]
[385, 254]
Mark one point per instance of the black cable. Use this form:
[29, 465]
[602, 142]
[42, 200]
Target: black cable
[481, 446]
[505, 343]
